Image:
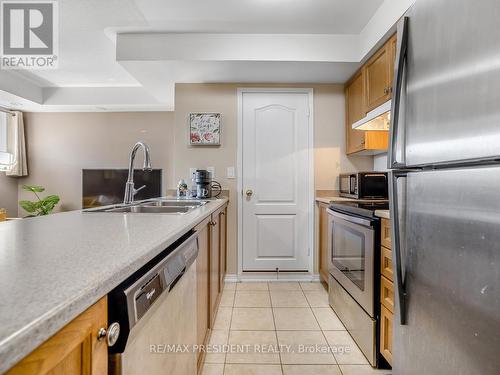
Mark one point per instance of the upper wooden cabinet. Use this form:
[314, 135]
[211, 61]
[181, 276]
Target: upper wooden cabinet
[378, 89]
[393, 46]
[370, 87]
[355, 111]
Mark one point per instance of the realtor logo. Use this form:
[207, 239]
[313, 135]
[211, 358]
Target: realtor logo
[29, 34]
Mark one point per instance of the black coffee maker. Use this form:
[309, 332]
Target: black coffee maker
[205, 186]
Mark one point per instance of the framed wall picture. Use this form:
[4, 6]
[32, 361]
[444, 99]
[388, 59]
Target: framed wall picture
[204, 129]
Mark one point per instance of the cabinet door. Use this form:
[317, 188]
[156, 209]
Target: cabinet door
[387, 293]
[214, 264]
[386, 263]
[222, 247]
[377, 79]
[355, 111]
[392, 58]
[74, 350]
[323, 242]
[202, 284]
[385, 234]
[386, 319]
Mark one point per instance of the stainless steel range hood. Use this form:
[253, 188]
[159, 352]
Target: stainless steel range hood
[377, 119]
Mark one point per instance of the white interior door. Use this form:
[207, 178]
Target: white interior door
[275, 181]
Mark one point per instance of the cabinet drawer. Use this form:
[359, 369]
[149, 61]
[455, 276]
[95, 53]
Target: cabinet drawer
[385, 235]
[386, 263]
[386, 334]
[387, 293]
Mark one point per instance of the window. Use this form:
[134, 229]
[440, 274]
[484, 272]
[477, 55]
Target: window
[6, 158]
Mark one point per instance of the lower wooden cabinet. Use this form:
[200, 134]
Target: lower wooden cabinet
[74, 350]
[386, 292]
[214, 265]
[323, 242]
[386, 321]
[211, 271]
[202, 283]
[222, 247]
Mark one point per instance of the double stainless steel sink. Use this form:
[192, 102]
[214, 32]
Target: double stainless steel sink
[155, 206]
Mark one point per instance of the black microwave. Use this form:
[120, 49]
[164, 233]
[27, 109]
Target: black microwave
[364, 185]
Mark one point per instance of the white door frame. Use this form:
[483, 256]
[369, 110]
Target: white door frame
[310, 182]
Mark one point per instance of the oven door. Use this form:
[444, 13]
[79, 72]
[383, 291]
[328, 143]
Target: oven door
[351, 252]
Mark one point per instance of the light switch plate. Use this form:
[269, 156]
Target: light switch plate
[230, 173]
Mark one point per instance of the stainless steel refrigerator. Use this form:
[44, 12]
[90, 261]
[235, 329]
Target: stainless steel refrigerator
[445, 190]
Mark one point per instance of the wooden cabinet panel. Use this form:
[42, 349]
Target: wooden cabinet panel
[385, 235]
[386, 320]
[370, 87]
[222, 247]
[202, 285]
[74, 350]
[214, 265]
[355, 111]
[323, 242]
[386, 263]
[387, 294]
[393, 46]
[377, 78]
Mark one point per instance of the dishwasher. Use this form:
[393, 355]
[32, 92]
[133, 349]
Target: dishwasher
[153, 315]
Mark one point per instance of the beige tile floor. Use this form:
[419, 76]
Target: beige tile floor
[257, 317]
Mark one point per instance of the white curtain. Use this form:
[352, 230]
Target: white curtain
[17, 143]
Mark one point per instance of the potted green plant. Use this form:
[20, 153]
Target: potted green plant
[42, 206]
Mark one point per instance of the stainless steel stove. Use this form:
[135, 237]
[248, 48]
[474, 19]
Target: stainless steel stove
[354, 253]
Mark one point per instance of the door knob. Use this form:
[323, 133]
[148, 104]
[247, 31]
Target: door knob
[249, 193]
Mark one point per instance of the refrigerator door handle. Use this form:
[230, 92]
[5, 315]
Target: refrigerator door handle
[396, 241]
[399, 67]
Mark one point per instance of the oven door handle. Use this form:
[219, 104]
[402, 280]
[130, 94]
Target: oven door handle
[352, 219]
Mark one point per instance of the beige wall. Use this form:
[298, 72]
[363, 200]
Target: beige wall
[8, 194]
[60, 145]
[329, 140]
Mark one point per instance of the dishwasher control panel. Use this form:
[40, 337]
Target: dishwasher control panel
[147, 296]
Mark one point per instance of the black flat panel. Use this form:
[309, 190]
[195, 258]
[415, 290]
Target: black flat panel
[101, 187]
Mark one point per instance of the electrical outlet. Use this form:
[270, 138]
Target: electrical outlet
[230, 173]
[212, 171]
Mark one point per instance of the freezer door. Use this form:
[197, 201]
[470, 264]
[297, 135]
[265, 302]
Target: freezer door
[452, 90]
[451, 279]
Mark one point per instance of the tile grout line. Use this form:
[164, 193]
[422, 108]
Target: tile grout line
[323, 334]
[229, 332]
[276, 333]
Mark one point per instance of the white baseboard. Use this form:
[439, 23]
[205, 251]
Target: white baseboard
[267, 277]
[231, 278]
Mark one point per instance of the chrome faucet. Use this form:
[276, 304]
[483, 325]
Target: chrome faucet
[130, 190]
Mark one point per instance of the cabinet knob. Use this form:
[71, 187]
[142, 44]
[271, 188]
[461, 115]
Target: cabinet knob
[249, 193]
[112, 333]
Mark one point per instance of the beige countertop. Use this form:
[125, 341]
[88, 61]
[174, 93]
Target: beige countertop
[55, 267]
[328, 200]
[383, 214]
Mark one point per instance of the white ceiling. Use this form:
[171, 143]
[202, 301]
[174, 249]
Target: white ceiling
[88, 48]
[259, 16]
